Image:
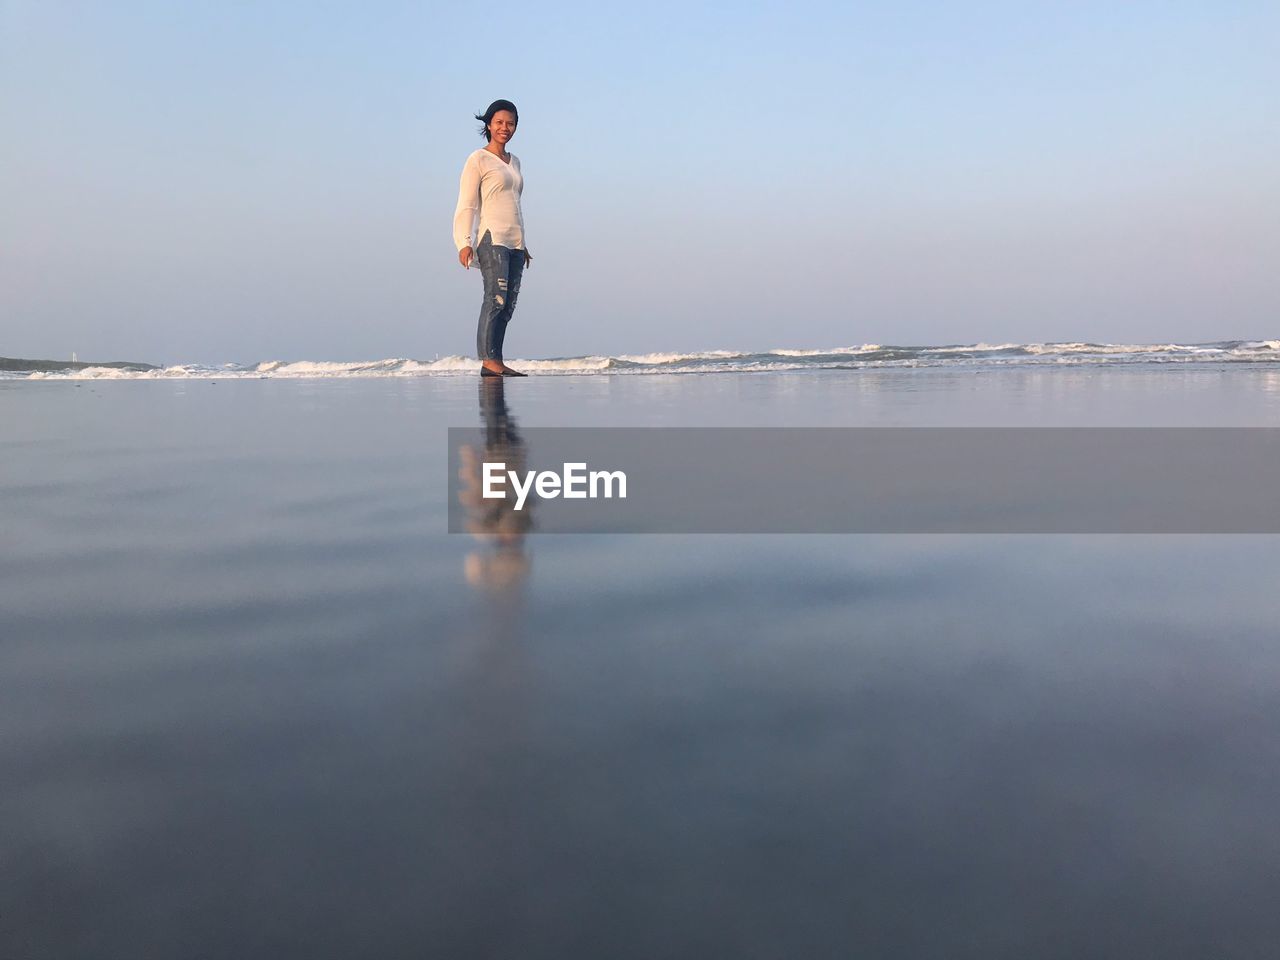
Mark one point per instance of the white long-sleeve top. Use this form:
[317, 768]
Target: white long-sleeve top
[490, 189]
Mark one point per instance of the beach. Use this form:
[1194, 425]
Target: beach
[255, 701]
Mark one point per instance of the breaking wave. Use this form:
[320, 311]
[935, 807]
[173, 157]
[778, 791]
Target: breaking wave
[708, 361]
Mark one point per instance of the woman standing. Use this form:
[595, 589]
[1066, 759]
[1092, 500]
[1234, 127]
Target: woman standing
[490, 191]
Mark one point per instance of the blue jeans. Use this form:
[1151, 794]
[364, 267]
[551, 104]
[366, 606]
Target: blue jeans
[502, 269]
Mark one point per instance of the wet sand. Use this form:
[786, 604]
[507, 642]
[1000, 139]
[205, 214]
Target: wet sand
[254, 701]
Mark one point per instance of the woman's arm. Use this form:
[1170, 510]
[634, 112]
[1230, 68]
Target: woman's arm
[528, 257]
[468, 209]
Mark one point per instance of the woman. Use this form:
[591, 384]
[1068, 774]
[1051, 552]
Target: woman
[490, 190]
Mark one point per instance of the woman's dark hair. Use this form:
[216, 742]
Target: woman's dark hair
[488, 116]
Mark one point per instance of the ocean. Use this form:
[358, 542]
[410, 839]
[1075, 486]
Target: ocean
[254, 701]
[866, 356]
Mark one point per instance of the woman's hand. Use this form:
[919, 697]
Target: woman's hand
[528, 258]
[464, 257]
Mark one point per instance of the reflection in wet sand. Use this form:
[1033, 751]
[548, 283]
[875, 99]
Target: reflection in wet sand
[492, 853]
[502, 564]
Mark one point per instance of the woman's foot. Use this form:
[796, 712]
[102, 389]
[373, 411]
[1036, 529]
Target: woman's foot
[496, 368]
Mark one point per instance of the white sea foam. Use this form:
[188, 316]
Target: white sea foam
[658, 358]
[972, 348]
[715, 361]
[834, 351]
[1120, 348]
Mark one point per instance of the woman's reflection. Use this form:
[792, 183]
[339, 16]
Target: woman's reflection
[493, 842]
[502, 564]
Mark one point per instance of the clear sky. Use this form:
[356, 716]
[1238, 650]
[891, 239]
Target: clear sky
[243, 181]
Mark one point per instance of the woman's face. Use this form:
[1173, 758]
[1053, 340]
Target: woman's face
[502, 127]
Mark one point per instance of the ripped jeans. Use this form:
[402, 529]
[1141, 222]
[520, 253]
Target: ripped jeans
[502, 269]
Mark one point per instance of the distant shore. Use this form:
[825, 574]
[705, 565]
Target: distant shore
[12, 364]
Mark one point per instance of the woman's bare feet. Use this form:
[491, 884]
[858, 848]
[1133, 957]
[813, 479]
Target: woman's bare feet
[496, 368]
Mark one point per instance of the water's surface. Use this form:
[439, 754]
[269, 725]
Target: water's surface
[253, 702]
